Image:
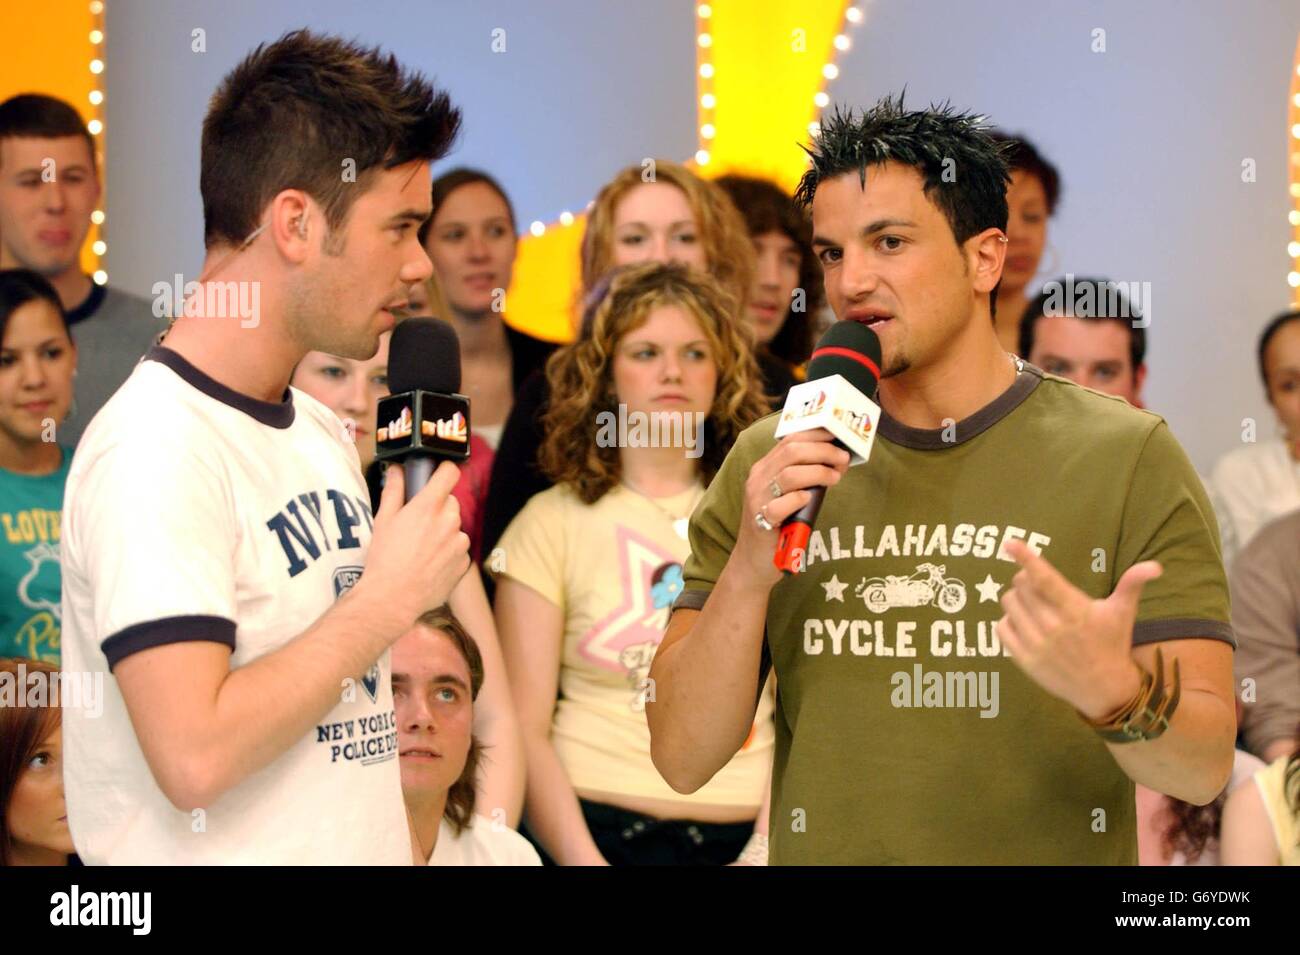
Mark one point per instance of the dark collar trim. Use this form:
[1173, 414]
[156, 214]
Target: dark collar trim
[89, 306]
[270, 413]
[924, 439]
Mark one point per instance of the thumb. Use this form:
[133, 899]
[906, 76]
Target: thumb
[393, 495]
[1129, 589]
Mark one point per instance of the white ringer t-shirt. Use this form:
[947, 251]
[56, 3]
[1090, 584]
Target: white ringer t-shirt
[482, 843]
[193, 512]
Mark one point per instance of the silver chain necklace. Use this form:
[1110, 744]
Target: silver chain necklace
[680, 525]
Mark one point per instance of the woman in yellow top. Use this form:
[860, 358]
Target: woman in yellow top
[1261, 823]
[644, 407]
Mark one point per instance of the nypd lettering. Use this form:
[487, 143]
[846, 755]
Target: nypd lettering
[370, 739]
[312, 524]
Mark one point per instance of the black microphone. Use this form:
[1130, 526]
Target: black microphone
[838, 395]
[424, 420]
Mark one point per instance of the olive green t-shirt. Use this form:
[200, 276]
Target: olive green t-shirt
[905, 734]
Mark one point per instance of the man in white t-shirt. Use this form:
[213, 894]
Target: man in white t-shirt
[437, 675]
[216, 524]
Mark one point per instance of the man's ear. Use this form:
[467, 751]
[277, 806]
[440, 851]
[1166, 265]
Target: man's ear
[1139, 379]
[290, 224]
[985, 253]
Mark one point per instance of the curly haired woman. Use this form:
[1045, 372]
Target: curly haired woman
[645, 405]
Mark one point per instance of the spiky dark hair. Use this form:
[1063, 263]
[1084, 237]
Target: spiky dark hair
[975, 199]
[292, 113]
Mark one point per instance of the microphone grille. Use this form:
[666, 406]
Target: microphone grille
[424, 355]
[851, 350]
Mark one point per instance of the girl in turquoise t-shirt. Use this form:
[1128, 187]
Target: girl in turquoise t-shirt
[37, 363]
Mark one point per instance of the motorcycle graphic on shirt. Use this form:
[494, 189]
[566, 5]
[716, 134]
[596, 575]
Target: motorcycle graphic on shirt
[927, 585]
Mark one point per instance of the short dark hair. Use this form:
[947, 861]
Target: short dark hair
[459, 810]
[453, 179]
[1021, 156]
[1270, 330]
[766, 207]
[292, 113]
[20, 286]
[973, 200]
[1110, 304]
[37, 116]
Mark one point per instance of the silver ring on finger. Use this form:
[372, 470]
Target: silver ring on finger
[761, 519]
[775, 488]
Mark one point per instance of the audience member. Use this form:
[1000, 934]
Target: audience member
[1096, 339]
[437, 675]
[589, 568]
[1261, 823]
[1032, 196]
[37, 363]
[671, 215]
[33, 816]
[49, 186]
[787, 289]
[471, 239]
[1260, 481]
[1265, 584]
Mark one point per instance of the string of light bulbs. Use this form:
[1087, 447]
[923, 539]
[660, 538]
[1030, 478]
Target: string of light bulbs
[96, 126]
[1293, 178]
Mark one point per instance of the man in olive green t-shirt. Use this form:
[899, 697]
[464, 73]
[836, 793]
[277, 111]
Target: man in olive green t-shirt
[1002, 569]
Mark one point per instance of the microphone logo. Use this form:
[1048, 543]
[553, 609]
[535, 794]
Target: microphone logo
[452, 429]
[399, 427]
[859, 422]
[810, 407]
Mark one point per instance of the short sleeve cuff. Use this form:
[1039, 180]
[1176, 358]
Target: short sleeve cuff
[157, 633]
[1182, 628]
[691, 600]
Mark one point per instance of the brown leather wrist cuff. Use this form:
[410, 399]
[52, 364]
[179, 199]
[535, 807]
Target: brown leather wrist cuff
[1147, 715]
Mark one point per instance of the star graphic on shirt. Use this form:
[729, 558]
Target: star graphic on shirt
[988, 589]
[635, 619]
[834, 589]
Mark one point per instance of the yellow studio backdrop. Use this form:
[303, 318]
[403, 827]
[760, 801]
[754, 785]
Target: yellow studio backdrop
[46, 47]
[762, 63]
